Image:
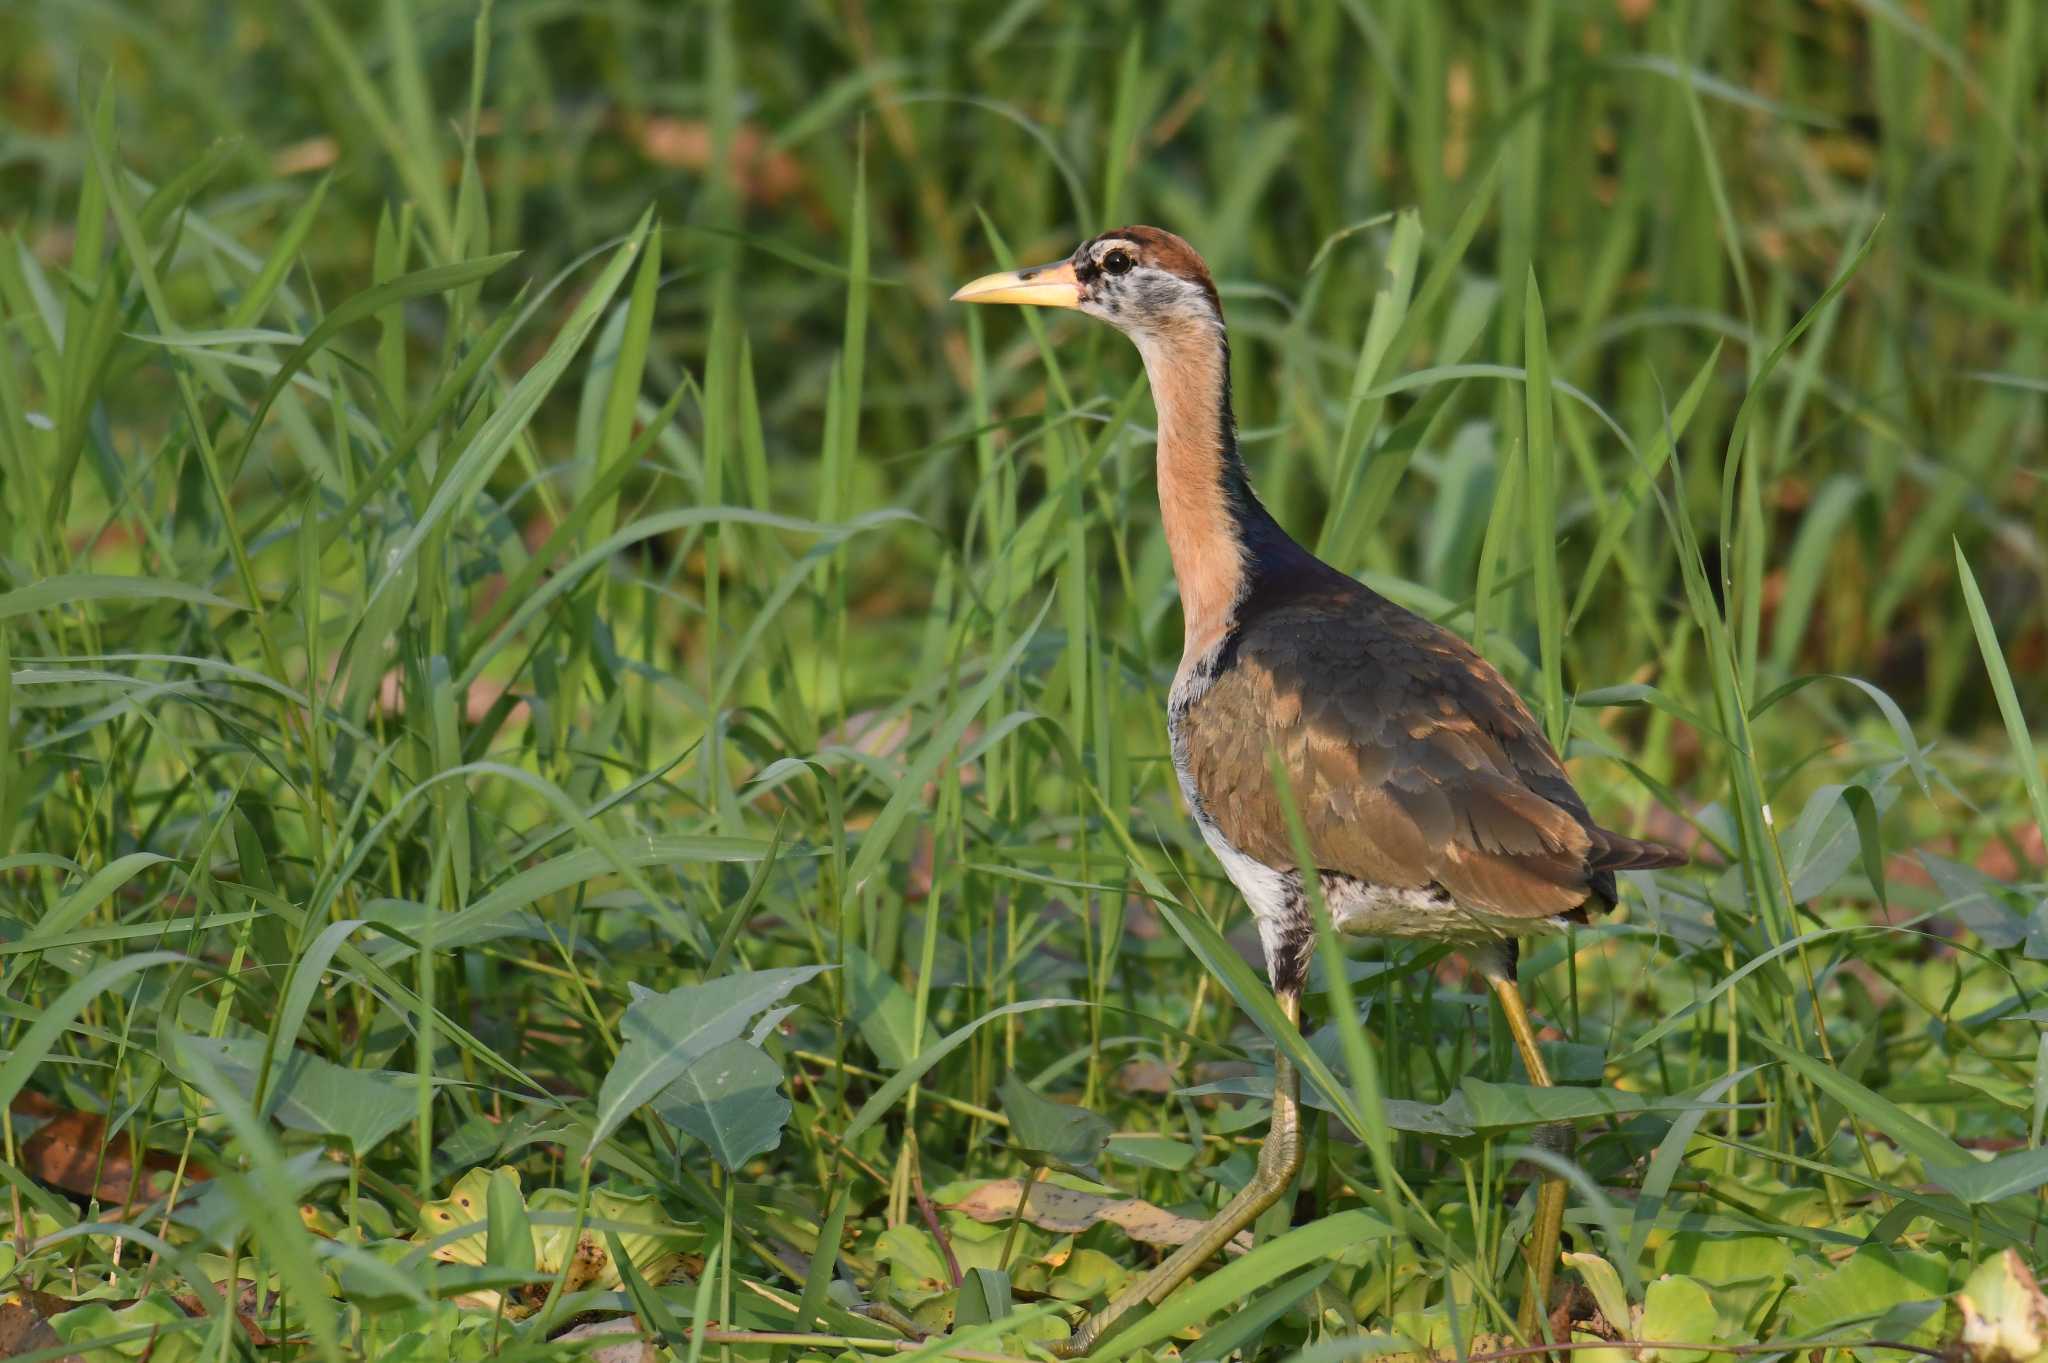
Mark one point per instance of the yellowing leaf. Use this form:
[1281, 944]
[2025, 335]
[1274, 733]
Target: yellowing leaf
[2005, 1317]
[1605, 1284]
[550, 1215]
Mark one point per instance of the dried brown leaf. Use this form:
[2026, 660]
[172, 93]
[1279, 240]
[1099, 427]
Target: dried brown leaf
[1069, 1211]
[24, 1329]
[66, 1152]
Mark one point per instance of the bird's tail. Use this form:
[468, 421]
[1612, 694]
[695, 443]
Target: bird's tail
[1615, 852]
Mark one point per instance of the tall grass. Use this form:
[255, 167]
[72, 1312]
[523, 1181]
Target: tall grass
[500, 526]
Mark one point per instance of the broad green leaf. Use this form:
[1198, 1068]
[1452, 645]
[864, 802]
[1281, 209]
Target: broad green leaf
[917, 1271]
[984, 1296]
[1058, 1135]
[1860, 1288]
[1681, 1310]
[2007, 1175]
[883, 1010]
[1838, 823]
[154, 1328]
[308, 1092]
[1489, 1106]
[1354, 1349]
[1087, 1275]
[1747, 1271]
[461, 1231]
[665, 1034]
[731, 1100]
[1154, 1152]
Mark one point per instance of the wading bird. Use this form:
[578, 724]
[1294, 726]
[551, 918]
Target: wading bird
[1433, 804]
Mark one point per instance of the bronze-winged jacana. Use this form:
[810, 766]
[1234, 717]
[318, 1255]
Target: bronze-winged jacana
[1434, 806]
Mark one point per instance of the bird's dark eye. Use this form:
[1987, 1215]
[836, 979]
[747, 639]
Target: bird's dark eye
[1117, 262]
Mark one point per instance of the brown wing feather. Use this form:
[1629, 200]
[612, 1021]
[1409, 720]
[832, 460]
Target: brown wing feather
[1411, 759]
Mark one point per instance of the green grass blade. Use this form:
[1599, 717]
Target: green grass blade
[2016, 730]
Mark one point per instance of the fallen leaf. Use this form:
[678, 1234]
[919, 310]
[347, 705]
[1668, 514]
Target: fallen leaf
[24, 1329]
[1069, 1211]
[65, 1152]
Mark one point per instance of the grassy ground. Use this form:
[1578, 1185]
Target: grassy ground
[661, 732]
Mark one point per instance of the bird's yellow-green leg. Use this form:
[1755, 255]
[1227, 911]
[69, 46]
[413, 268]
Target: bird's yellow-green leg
[1541, 1255]
[1279, 1162]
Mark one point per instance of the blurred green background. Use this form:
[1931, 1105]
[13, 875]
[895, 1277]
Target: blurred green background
[1644, 150]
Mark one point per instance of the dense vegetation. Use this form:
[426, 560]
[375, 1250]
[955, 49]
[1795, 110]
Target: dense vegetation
[580, 746]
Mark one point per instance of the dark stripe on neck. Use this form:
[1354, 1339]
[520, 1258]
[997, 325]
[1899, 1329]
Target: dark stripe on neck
[1273, 558]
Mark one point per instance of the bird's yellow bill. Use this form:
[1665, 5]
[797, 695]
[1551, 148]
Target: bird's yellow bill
[1045, 286]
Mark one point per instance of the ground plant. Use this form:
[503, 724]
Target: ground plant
[584, 764]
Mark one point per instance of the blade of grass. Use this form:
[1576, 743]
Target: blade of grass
[2016, 731]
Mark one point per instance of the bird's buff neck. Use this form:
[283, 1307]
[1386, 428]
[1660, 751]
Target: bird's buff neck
[1216, 530]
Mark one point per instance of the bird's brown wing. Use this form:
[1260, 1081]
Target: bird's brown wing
[1411, 759]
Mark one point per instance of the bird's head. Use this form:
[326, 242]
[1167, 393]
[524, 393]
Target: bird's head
[1146, 282]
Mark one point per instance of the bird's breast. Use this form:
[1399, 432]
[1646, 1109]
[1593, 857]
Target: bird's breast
[1197, 674]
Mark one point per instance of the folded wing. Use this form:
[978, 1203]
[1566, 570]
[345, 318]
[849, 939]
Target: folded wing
[1411, 760]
